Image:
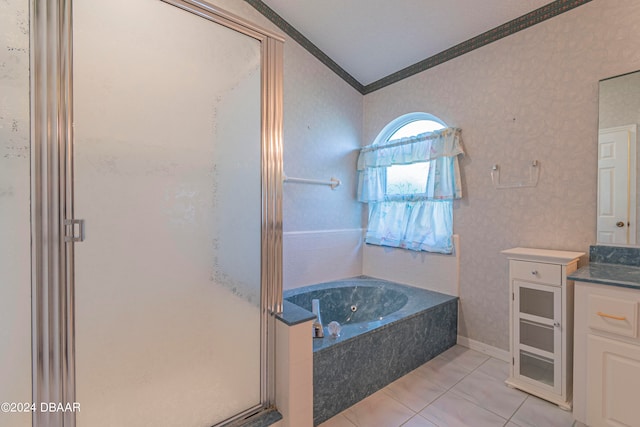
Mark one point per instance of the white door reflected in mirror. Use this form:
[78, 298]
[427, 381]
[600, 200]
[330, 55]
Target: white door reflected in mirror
[616, 222]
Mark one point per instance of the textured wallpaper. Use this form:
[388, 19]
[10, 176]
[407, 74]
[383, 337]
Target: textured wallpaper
[322, 136]
[532, 95]
[322, 238]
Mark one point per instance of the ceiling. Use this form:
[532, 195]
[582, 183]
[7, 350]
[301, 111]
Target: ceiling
[373, 39]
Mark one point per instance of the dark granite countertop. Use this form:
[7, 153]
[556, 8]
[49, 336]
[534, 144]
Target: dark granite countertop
[625, 276]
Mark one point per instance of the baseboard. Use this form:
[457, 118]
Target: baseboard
[498, 353]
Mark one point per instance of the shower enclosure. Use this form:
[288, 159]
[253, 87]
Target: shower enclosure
[157, 218]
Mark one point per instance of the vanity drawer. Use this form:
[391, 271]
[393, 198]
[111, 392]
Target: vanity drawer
[539, 272]
[614, 315]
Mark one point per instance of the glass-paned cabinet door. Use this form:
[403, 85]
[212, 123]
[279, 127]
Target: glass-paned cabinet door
[537, 334]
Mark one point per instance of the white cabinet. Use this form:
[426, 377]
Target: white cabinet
[607, 361]
[537, 341]
[614, 367]
[541, 327]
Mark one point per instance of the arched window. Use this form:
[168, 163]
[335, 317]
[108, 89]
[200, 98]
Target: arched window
[409, 125]
[409, 177]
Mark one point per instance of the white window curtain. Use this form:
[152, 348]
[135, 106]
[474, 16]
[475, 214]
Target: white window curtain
[423, 221]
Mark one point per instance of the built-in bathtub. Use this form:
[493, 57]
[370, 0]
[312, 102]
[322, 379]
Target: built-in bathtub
[394, 329]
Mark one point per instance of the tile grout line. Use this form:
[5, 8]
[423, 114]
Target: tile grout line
[473, 403]
[447, 390]
[516, 411]
[384, 390]
[453, 361]
[508, 420]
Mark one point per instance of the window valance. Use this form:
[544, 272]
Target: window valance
[420, 148]
[441, 148]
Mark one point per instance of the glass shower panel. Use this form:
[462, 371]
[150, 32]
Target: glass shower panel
[167, 176]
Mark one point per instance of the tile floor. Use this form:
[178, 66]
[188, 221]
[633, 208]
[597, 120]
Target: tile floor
[461, 387]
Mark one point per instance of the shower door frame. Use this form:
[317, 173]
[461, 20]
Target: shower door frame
[52, 229]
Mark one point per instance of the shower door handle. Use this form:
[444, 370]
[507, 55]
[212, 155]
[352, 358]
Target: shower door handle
[74, 230]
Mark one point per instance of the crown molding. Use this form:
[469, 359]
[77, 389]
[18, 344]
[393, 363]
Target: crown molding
[314, 50]
[525, 21]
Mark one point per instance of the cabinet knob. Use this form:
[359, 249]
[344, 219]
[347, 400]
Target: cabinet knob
[556, 324]
[534, 272]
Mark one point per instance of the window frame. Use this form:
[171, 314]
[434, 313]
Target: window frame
[395, 125]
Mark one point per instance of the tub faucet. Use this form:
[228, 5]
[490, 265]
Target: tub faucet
[318, 330]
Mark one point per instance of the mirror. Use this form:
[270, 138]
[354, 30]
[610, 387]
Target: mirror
[619, 115]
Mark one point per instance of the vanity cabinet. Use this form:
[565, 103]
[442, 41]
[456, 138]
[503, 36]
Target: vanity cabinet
[607, 361]
[541, 326]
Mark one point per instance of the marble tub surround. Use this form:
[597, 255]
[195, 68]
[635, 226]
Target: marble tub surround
[615, 255]
[348, 372]
[407, 301]
[356, 301]
[371, 354]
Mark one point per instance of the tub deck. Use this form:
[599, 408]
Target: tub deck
[368, 356]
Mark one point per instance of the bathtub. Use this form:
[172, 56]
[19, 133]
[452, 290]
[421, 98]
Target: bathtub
[388, 329]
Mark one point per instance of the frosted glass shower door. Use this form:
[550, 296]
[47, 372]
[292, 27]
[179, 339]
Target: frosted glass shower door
[167, 176]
